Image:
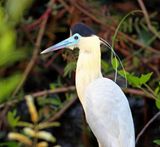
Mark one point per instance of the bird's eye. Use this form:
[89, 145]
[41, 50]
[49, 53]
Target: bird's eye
[76, 37]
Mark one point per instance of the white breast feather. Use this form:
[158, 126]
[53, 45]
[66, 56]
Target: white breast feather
[108, 114]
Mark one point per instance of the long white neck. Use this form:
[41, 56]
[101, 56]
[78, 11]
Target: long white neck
[88, 64]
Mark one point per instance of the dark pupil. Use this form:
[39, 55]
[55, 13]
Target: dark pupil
[76, 37]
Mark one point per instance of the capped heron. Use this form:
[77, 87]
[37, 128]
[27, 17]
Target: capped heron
[106, 107]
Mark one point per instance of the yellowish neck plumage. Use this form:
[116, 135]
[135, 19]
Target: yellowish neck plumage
[88, 64]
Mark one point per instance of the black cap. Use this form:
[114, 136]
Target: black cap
[82, 30]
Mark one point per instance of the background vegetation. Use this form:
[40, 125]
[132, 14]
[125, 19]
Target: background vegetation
[38, 101]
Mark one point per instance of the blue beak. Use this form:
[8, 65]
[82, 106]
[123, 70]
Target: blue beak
[71, 41]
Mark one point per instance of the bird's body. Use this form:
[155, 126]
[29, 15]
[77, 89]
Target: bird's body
[112, 107]
[105, 105]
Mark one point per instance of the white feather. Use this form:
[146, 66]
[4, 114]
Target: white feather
[108, 114]
[106, 107]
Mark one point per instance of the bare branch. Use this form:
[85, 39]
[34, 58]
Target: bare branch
[151, 28]
[147, 125]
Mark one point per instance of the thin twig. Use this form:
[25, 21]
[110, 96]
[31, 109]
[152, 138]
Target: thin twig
[40, 19]
[151, 28]
[33, 59]
[121, 34]
[65, 6]
[40, 93]
[58, 90]
[53, 58]
[72, 88]
[2, 116]
[66, 106]
[138, 92]
[147, 125]
[35, 53]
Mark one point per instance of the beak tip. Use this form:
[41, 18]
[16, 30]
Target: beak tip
[43, 52]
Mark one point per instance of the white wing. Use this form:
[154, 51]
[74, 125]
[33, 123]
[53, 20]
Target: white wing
[108, 114]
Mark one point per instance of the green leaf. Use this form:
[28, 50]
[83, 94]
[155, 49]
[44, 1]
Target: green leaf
[136, 61]
[145, 78]
[123, 73]
[157, 141]
[7, 40]
[50, 101]
[7, 86]
[12, 118]
[71, 66]
[8, 51]
[144, 36]
[8, 58]
[52, 86]
[56, 101]
[105, 66]
[115, 63]
[133, 80]
[48, 125]
[157, 99]
[24, 124]
[9, 144]
[136, 81]
[16, 10]
[157, 103]
[157, 90]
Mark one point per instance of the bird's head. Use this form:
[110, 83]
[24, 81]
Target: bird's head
[81, 36]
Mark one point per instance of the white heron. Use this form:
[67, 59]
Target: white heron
[106, 107]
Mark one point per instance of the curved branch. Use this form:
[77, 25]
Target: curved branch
[147, 125]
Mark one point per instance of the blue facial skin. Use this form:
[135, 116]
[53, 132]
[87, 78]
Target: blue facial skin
[71, 41]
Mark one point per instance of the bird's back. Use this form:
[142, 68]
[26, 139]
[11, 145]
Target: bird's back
[108, 114]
